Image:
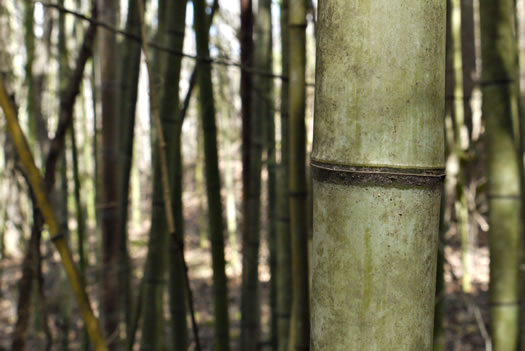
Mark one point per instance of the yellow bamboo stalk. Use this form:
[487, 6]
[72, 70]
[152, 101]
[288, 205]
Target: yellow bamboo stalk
[37, 185]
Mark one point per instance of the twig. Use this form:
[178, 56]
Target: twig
[164, 174]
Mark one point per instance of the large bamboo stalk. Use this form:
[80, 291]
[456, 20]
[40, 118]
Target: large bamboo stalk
[378, 159]
[213, 180]
[499, 72]
[300, 312]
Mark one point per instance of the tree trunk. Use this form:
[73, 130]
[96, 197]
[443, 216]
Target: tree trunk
[499, 72]
[378, 159]
[213, 181]
[300, 313]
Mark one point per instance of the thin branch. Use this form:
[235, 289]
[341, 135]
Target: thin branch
[67, 103]
[165, 181]
[160, 47]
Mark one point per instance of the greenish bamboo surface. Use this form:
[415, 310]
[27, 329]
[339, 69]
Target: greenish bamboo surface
[498, 54]
[499, 70]
[378, 166]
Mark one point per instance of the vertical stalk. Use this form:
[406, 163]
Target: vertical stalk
[157, 260]
[300, 313]
[499, 72]
[284, 251]
[250, 185]
[213, 181]
[110, 171]
[378, 166]
[128, 99]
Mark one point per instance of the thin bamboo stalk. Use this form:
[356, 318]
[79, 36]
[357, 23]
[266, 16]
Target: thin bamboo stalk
[213, 181]
[164, 177]
[300, 313]
[499, 72]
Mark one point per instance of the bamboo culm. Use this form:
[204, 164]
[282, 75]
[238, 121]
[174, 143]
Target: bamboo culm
[377, 204]
[213, 181]
[299, 338]
[499, 104]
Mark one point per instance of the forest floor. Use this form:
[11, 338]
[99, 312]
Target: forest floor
[466, 314]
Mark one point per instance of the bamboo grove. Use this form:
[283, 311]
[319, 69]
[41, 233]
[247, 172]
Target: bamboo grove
[262, 175]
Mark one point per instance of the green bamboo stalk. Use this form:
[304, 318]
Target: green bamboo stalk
[213, 181]
[284, 273]
[377, 159]
[128, 99]
[300, 313]
[172, 126]
[259, 121]
[157, 259]
[110, 307]
[161, 143]
[499, 71]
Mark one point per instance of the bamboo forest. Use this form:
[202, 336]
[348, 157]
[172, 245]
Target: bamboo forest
[262, 175]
